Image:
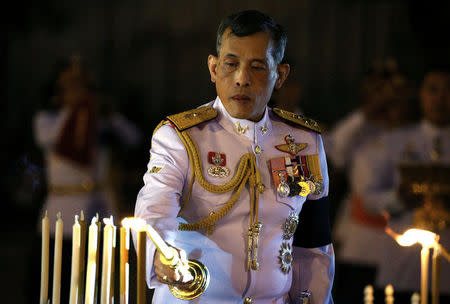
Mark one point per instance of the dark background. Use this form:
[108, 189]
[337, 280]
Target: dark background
[149, 60]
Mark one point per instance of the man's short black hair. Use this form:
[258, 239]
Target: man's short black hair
[246, 23]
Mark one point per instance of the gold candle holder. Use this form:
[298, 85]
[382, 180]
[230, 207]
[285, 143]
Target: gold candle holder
[169, 256]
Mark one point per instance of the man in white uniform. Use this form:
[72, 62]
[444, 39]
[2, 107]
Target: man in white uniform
[226, 181]
[427, 142]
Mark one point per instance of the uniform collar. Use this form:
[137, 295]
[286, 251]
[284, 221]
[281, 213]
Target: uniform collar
[253, 131]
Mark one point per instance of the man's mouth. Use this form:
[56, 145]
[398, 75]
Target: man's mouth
[241, 98]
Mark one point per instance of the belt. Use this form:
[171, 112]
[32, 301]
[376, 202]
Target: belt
[364, 217]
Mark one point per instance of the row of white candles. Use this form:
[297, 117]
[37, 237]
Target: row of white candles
[84, 285]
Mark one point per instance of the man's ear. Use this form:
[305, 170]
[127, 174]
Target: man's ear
[212, 66]
[283, 70]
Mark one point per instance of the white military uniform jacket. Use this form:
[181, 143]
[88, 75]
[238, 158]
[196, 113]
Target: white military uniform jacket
[400, 266]
[224, 251]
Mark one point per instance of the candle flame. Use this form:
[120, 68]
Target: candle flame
[94, 220]
[411, 236]
[134, 223]
[109, 221]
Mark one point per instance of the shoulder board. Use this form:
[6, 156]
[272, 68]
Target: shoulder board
[298, 119]
[188, 119]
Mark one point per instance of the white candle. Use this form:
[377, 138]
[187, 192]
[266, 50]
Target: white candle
[424, 256]
[124, 265]
[82, 276]
[45, 250]
[97, 263]
[166, 251]
[138, 224]
[57, 261]
[91, 272]
[108, 247]
[74, 280]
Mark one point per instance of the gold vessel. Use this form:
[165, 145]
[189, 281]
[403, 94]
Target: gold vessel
[197, 286]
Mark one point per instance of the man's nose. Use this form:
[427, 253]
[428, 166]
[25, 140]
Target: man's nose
[243, 78]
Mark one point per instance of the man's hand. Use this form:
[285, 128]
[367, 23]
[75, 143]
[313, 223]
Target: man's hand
[173, 275]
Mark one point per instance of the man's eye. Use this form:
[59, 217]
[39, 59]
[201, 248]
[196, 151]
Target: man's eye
[230, 64]
[258, 67]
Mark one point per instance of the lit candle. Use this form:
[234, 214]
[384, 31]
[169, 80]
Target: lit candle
[424, 256]
[108, 248]
[57, 261]
[124, 265]
[91, 272]
[140, 225]
[45, 249]
[427, 239]
[141, 248]
[82, 258]
[75, 272]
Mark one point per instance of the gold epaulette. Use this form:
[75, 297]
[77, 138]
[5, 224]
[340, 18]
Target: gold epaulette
[298, 119]
[187, 119]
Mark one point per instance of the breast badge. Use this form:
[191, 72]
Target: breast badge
[285, 257]
[291, 146]
[290, 225]
[218, 160]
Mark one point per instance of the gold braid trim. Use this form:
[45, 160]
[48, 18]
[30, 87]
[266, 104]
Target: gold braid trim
[246, 171]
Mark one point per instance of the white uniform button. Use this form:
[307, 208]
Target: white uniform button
[248, 300]
[258, 150]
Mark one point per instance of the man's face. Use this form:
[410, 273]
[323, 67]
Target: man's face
[245, 74]
[435, 98]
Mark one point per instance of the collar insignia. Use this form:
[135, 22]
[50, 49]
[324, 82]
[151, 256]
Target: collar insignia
[239, 129]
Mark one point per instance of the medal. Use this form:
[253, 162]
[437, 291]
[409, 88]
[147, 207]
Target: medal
[291, 146]
[290, 225]
[285, 257]
[283, 188]
[305, 188]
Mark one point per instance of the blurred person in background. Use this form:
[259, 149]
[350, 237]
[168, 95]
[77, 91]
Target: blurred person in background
[76, 136]
[424, 143]
[386, 104]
